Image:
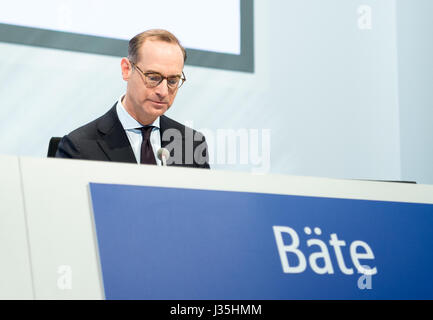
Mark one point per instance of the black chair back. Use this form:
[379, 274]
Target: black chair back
[52, 147]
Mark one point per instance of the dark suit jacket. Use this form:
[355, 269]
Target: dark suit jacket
[105, 139]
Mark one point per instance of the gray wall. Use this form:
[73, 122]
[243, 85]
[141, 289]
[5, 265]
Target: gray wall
[327, 90]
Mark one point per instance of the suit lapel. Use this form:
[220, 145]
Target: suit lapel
[174, 132]
[114, 141]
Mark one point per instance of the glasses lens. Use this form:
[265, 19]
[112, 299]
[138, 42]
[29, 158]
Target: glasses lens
[173, 82]
[153, 79]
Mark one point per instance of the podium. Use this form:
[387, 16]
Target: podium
[73, 229]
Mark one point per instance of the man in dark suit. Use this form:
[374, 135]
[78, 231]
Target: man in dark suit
[135, 128]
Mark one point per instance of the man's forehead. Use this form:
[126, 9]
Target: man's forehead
[161, 56]
[155, 48]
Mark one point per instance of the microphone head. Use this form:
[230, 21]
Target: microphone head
[163, 152]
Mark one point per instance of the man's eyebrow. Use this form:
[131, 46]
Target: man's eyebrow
[152, 71]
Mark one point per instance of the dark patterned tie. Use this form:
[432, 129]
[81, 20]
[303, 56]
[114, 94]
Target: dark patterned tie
[147, 155]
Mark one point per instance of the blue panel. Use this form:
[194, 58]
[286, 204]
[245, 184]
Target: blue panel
[169, 243]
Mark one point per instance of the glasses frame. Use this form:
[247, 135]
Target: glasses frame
[182, 79]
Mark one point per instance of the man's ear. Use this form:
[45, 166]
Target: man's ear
[126, 68]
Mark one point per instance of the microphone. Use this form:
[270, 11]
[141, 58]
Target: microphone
[163, 155]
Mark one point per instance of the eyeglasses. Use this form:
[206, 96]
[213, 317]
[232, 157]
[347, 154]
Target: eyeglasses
[154, 79]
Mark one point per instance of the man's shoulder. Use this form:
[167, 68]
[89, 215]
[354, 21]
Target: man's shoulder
[93, 129]
[169, 123]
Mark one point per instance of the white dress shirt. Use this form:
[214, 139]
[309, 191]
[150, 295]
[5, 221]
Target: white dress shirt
[131, 127]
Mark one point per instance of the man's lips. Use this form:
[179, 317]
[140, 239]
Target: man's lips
[159, 103]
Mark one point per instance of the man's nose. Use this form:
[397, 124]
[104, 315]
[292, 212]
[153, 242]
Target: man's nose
[162, 89]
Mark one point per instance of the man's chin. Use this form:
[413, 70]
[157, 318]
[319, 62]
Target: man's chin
[159, 112]
[155, 112]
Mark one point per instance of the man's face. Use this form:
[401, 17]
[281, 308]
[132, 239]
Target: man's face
[143, 103]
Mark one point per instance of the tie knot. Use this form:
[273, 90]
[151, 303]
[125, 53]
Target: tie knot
[145, 132]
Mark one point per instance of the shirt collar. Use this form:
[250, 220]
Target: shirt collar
[127, 121]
